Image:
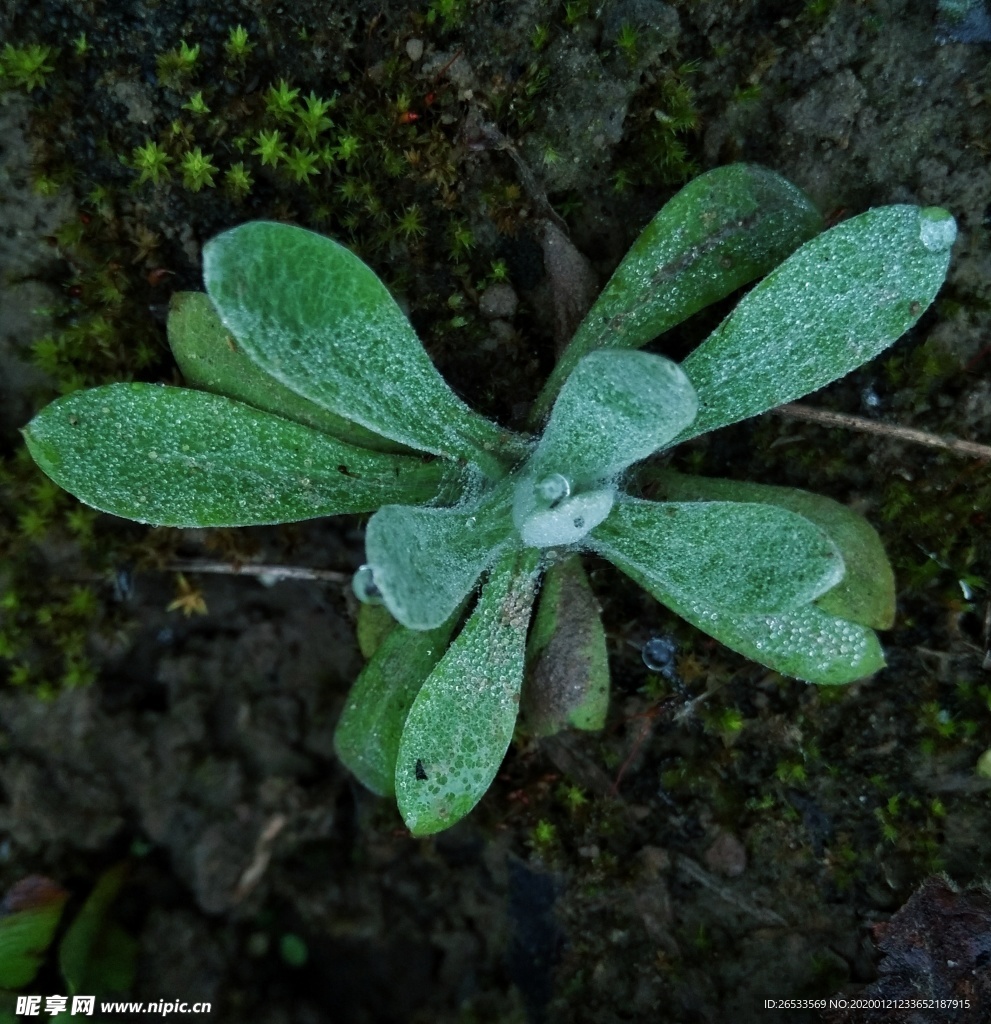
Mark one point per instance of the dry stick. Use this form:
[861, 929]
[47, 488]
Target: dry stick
[842, 419]
[276, 572]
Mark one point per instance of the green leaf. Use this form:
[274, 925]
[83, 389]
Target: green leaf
[462, 720]
[866, 594]
[615, 409]
[30, 913]
[375, 623]
[724, 229]
[210, 359]
[567, 682]
[368, 733]
[311, 314]
[176, 457]
[425, 561]
[807, 644]
[95, 954]
[834, 305]
[732, 556]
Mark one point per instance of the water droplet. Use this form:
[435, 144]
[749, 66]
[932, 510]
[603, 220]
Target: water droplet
[658, 655]
[363, 585]
[937, 228]
[552, 489]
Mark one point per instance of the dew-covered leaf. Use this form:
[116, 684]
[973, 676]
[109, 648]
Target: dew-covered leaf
[567, 681]
[29, 915]
[734, 556]
[724, 229]
[309, 313]
[425, 561]
[866, 594]
[177, 457]
[807, 643]
[616, 408]
[841, 299]
[210, 359]
[367, 735]
[568, 522]
[462, 720]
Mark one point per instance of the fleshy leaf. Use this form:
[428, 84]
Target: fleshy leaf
[177, 457]
[29, 915]
[724, 229]
[615, 409]
[368, 733]
[425, 561]
[834, 305]
[807, 643]
[210, 359]
[732, 556]
[567, 682]
[462, 720]
[866, 594]
[309, 313]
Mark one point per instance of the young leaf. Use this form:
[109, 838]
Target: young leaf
[311, 314]
[840, 300]
[724, 229]
[210, 359]
[29, 915]
[567, 682]
[866, 594]
[741, 558]
[96, 954]
[462, 720]
[176, 457]
[425, 561]
[615, 409]
[368, 733]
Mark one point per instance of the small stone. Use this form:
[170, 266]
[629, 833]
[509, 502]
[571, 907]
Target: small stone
[414, 49]
[727, 856]
[498, 301]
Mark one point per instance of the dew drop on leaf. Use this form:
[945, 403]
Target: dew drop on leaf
[363, 585]
[937, 229]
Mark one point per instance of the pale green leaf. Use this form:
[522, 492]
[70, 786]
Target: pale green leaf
[368, 733]
[462, 720]
[210, 359]
[567, 681]
[309, 313]
[834, 305]
[616, 408]
[425, 561]
[732, 556]
[724, 229]
[176, 457]
[866, 594]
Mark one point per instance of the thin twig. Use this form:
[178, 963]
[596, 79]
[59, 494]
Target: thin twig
[275, 572]
[842, 419]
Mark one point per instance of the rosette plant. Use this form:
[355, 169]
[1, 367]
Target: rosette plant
[315, 397]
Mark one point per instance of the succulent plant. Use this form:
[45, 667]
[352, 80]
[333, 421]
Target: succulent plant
[316, 398]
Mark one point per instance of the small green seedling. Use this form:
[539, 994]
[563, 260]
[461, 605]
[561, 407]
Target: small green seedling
[317, 398]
